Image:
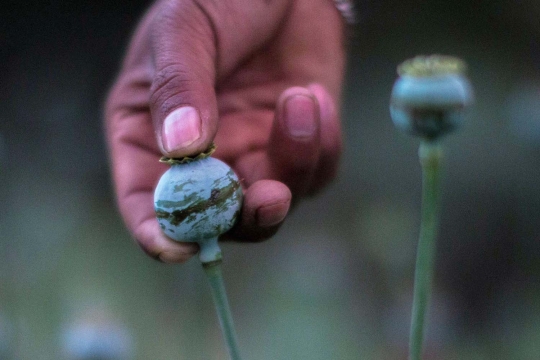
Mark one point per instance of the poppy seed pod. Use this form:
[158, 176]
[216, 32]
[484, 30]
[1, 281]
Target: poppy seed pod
[197, 200]
[430, 95]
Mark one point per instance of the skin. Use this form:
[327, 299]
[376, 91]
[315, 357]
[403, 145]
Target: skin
[264, 76]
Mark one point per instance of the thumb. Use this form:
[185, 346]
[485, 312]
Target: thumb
[182, 96]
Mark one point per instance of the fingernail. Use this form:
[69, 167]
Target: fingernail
[271, 215]
[300, 116]
[181, 128]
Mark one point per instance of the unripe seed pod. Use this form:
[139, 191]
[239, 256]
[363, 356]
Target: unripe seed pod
[429, 97]
[197, 200]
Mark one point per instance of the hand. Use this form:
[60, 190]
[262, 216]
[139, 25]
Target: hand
[260, 78]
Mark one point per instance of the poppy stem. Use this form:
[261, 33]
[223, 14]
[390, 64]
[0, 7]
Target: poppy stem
[215, 277]
[430, 158]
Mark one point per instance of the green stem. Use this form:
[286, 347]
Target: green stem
[430, 156]
[215, 276]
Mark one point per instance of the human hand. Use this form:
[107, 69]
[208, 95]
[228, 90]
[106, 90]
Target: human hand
[260, 78]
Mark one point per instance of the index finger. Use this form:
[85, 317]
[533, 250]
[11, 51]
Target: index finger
[135, 167]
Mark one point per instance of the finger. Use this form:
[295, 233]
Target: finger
[330, 138]
[182, 95]
[293, 147]
[266, 204]
[135, 168]
[192, 41]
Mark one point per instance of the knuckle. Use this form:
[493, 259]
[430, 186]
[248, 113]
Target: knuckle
[111, 104]
[170, 76]
[127, 96]
[170, 87]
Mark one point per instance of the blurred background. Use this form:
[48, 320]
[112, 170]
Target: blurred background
[336, 282]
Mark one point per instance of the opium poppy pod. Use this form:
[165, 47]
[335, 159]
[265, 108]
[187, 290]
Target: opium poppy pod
[197, 200]
[429, 97]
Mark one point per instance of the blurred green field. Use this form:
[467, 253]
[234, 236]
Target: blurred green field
[336, 282]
